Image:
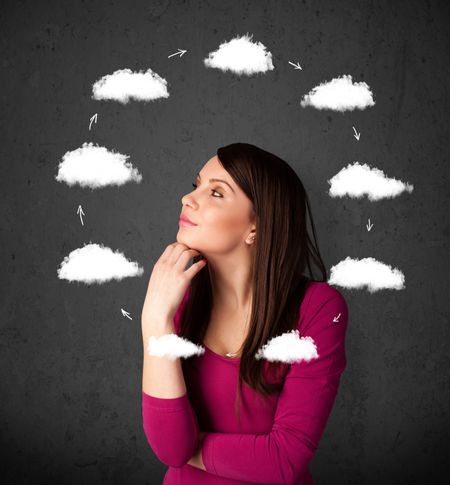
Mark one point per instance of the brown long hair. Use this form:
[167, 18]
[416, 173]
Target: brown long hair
[283, 251]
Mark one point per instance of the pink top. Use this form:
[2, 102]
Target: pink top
[278, 437]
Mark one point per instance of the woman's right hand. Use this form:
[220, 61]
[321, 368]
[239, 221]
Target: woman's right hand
[168, 283]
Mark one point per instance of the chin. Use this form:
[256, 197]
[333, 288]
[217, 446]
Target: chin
[180, 238]
[184, 240]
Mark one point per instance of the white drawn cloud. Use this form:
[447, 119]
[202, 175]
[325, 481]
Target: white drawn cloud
[97, 264]
[241, 56]
[173, 346]
[289, 347]
[357, 180]
[96, 167]
[124, 84]
[375, 275]
[339, 94]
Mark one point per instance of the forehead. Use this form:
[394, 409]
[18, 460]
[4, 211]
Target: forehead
[213, 168]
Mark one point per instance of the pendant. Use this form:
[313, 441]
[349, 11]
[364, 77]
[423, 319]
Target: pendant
[229, 354]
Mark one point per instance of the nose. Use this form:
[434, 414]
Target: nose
[187, 200]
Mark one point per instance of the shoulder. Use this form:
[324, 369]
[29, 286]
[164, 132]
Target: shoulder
[320, 292]
[321, 300]
[323, 322]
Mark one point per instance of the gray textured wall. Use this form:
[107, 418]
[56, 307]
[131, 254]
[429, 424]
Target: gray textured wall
[71, 363]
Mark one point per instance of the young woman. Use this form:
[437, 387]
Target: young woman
[250, 246]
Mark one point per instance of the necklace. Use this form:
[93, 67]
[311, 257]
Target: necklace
[230, 354]
[233, 354]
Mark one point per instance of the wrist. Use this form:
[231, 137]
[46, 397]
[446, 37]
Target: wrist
[157, 330]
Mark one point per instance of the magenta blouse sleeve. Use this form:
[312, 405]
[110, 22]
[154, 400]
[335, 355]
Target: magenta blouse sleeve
[170, 425]
[305, 402]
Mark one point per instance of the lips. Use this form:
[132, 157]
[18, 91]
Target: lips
[186, 219]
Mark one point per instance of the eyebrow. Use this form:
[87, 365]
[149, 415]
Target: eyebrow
[218, 180]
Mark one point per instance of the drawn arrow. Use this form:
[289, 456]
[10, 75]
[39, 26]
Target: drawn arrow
[369, 226]
[336, 319]
[80, 211]
[297, 66]
[94, 118]
[180, 51]
[125, 314]
[356, 135]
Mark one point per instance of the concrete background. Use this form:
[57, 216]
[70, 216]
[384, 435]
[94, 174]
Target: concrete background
[70, 407]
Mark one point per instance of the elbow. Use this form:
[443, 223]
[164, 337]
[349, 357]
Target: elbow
[294, 471]
[173, 461]
[172, 454]
[295, 476]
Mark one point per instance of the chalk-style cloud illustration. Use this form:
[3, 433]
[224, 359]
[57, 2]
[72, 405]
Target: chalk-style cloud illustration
[241, 56]
[124, 84]
[339, 94]
[96, 264]
[96, 167]
[173, 346]
[289, 348]
[356, 180]
[353, 273]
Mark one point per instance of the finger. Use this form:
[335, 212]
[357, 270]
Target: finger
[165, 256]
[195, 268]
[172, 252]
[185, 256]
[181, 249]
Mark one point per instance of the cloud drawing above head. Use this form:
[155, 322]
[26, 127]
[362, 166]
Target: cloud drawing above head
[375, 275]
[356, 180]
[241, 56]
[339, 94]
[97, 264]
[124, 84]
[95, 167]
[289, 348]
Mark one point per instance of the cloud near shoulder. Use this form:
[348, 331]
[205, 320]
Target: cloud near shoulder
[353, 273]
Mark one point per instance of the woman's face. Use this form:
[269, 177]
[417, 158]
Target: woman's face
[222, 213]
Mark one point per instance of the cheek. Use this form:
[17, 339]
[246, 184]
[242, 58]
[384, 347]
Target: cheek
[230, 220]
[223, 230]
[220, 231]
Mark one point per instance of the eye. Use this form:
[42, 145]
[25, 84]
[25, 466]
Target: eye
[212, 190]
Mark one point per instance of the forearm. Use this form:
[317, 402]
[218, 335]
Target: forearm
[170, 423]
[162, 376]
